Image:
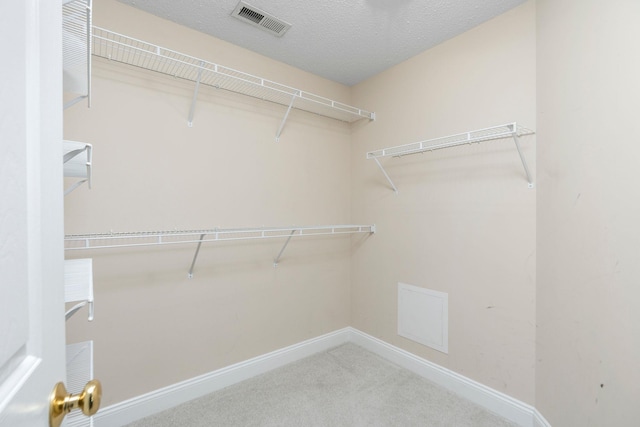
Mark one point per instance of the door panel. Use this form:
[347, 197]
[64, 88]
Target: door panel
[32, 339]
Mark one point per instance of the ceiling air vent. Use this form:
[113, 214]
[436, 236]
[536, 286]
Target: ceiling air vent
[261, 19]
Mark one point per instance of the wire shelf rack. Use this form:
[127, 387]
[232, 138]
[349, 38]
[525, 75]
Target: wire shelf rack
[76, 242]
[77, 163]
[78, 285]
[76, 49]
[79, 357]
[509, 130]
[481, 135]
[127, 50]
[150, 238]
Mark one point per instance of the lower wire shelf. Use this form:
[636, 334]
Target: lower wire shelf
[76, 242]
[77, 161]
[78, 285]
[79, 371]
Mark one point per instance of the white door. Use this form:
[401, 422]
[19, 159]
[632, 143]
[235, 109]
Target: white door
[32, 340]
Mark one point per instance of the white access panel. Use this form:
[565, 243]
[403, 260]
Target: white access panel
[423, 316]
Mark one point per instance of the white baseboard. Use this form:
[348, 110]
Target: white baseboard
[159, 400]
[539, 420]
[490, 399]
[151, 403]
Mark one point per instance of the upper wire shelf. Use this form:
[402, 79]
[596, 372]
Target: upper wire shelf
[151, 238]
[509, 130]
[76, 50]
[121, 48]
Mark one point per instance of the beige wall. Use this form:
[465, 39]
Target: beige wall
[464, 219]
[153, 326]
[588, 298]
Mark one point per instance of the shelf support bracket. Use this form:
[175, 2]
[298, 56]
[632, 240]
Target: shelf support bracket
[74, 309]
[284, 120]
[195, 95]
[386, 175]
[275, 261]
[70, 155]
[195, 257]
[516, 140]
[74, 101]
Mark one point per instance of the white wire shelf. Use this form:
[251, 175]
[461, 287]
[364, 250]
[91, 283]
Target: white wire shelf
[78, 285]
[153, 238]
[79, 358]
[77, 161]
[509, 130]
[124, 49]
[76, 49]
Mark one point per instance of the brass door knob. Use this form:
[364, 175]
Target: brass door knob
[62, 402]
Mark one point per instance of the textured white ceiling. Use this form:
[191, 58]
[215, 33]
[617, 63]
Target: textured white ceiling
[346, 41]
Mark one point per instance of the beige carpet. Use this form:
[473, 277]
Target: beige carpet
[343, 387]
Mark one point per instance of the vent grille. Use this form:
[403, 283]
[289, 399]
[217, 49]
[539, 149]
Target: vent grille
[251, 15]
[258, 18]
